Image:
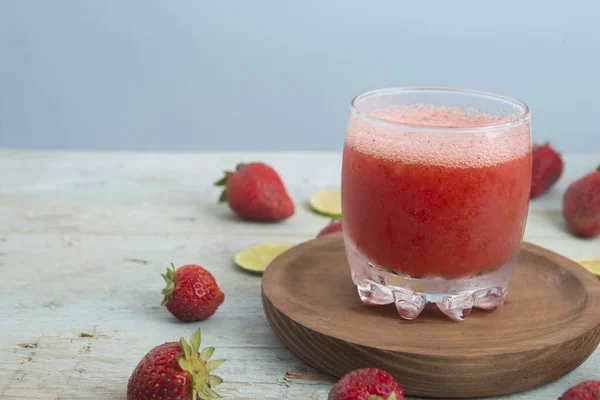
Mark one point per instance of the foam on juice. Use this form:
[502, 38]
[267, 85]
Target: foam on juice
[378, 137]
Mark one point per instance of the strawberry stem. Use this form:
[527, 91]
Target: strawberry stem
[194, 362]
[598, 169]
[223, 180]
[169, 278]
[223, 183]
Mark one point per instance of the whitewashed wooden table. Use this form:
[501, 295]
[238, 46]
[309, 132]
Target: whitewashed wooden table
[85, 236]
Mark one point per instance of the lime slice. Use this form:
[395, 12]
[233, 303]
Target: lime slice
[592, 265]
[328, 203]
[257, 258]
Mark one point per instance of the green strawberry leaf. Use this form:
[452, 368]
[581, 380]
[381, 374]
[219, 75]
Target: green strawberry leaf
[195, 340]
[214, 364]
[207, 353]
[214, 380]
[223, 180]
[169, 278]
[186, 349]
[183, 363]
[194, 362]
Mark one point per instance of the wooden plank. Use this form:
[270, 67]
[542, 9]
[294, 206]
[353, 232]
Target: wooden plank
[191, 218]
[92, 178]
[175, 218]
[62, 292]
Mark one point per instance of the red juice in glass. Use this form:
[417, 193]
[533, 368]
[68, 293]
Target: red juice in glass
[435, 197]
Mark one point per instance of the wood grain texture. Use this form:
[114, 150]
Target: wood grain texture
[548, 327]
[85, 235]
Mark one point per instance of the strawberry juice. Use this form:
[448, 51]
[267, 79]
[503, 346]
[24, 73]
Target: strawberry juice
[431, 192]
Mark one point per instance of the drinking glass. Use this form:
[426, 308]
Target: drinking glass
[435, 195]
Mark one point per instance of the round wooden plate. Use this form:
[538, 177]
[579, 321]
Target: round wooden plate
[549, 325]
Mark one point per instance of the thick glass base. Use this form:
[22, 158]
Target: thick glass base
[454, 297]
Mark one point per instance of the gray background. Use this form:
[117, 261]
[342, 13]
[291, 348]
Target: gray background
[277, 74]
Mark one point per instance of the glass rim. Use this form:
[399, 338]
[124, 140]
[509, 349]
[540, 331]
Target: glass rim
[515, 121]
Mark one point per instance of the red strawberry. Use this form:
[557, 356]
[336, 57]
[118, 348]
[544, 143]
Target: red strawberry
[334, 226]
[581, 205]
[255, 192]
[589, 390]
[547, 167]
[366, 384]
[192, 293]
[175, 371]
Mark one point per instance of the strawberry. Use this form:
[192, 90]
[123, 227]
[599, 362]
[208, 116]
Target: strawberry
[175, 371]
[547, 167]
[581, 205]
[334, 225]
[192, 293]
[588, 390]
[255, 192]
[366, 384]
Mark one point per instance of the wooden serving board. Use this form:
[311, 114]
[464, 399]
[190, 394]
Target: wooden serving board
[549, 325]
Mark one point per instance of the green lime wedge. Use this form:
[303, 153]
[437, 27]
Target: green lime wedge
[257, 258]
[592, 265]
[328, 202]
